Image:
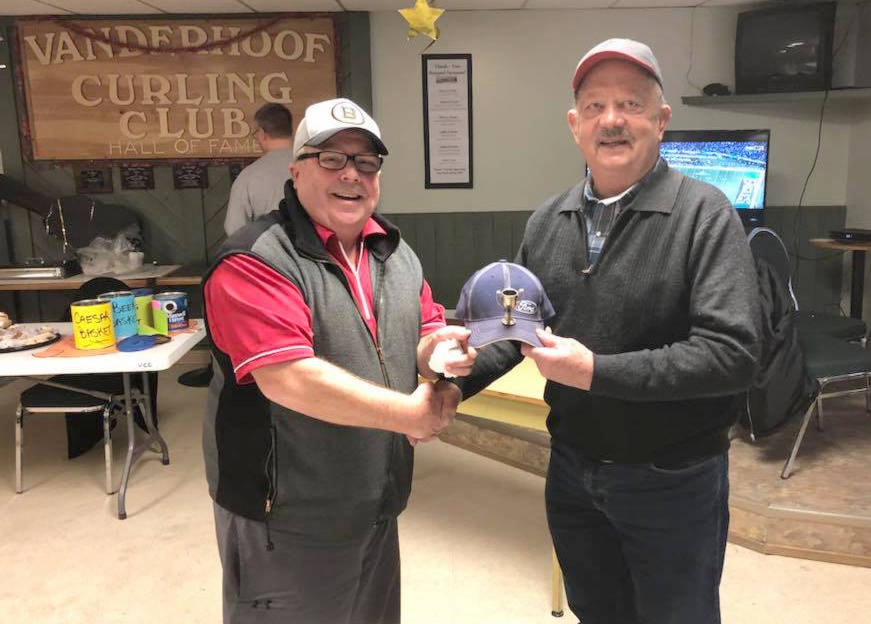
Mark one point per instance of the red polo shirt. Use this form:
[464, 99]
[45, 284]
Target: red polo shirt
[244, 292]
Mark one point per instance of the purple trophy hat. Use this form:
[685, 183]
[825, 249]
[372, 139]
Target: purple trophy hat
[503, 301]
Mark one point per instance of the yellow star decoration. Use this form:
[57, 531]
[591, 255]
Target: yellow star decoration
[421, 19]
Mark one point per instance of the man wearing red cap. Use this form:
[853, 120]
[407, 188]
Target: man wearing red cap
[655, 295]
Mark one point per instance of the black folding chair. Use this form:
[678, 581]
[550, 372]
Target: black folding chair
[830, 359]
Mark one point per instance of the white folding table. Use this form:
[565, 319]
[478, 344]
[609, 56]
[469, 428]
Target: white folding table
[157, 358]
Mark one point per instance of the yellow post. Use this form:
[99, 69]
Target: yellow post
[556, 591]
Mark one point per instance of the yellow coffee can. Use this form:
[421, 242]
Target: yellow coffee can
[92, 324]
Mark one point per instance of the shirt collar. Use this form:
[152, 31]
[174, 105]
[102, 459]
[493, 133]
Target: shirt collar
[626, 196]
[370, 228]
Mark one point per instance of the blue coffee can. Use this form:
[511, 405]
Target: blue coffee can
[174, 306]
[123, 313]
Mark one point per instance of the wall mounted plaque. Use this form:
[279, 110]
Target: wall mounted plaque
[93, 179]
[137, 177]
[190, 175]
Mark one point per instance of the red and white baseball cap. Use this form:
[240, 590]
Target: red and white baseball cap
[619, 49]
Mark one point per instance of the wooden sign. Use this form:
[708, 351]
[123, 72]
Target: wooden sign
[140, 89]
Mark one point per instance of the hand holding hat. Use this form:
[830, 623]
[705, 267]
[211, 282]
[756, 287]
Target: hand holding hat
[563, 360]
[447, 353]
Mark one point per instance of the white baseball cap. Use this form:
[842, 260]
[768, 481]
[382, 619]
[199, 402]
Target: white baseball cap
[324, 119]
[621, 49]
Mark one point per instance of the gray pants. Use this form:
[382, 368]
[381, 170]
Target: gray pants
[306, 581]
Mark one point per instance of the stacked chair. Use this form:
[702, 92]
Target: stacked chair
[830, 358]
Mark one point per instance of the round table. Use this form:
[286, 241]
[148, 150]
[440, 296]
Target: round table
[857, 276]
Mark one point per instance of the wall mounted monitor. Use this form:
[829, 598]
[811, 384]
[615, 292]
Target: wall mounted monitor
[735, 161]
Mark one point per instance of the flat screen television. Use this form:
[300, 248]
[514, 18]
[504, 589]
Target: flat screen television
[786, 48]
[735, 161]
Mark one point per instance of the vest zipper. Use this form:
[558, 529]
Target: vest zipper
[377, 295]
[378, 300]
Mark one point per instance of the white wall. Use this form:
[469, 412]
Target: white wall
[522, 66]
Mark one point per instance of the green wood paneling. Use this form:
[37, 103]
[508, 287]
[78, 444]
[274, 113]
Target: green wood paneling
[451, 246]
[817, 273]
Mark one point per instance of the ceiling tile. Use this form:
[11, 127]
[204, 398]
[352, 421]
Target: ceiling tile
[710, 3]
[208, 7]
[568, 4]
[448, 5]
[653, 4]
[470, 5]
[285, 6]
[376, 5]
[107, 7]
[29, 7]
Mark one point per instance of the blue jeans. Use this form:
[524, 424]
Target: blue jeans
[639, 544]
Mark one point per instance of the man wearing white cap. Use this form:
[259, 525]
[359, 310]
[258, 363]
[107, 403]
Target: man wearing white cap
[654, 335]
[320, 320]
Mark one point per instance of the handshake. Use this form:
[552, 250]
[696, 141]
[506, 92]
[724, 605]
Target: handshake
[444, 352]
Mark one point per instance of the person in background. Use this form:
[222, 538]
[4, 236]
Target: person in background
[320, 320]
[655, 332]
[259, 187]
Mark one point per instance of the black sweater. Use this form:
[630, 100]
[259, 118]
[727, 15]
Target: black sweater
[670, 310]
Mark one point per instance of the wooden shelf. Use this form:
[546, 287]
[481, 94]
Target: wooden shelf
[763, 98]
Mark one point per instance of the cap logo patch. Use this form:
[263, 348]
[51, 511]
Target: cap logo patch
[345, 112]
[525, 306]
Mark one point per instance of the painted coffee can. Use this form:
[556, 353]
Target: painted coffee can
[123, 312]
[142, 300]
[170, 310]
[92, 324]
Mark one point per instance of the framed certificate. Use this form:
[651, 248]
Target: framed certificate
[447, 120]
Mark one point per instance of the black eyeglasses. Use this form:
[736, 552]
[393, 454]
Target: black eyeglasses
[336, 161]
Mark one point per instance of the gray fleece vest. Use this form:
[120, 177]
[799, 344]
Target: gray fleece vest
[298, 473]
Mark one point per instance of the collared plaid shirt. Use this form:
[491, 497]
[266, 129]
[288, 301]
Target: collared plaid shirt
[601, 214]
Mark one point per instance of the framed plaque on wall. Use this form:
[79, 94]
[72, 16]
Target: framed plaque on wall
[93, 179]
[447, 120]
[190, 175]
[137, 177]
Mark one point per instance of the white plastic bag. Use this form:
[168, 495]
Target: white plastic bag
[108, 255]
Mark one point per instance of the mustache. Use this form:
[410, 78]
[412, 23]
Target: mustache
[614, 133]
